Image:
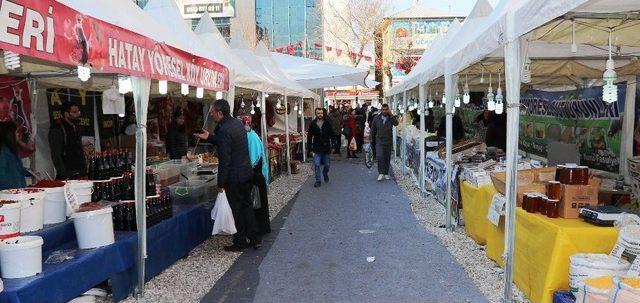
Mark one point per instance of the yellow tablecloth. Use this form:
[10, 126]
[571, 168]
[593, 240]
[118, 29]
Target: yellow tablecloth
[475, 205]
[543, 247]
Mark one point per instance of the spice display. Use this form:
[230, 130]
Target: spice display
[48, 184]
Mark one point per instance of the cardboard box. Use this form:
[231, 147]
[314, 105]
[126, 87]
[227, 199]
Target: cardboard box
[575, 197]
[525, 177]
[536, 187]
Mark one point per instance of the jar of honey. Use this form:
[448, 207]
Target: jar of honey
[527, 201]
[554, 190]
[553, 208]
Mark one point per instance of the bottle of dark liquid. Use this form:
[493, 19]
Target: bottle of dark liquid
[151, 183]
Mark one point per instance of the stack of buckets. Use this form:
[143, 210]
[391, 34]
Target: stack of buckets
[94, 227]
[21, 211]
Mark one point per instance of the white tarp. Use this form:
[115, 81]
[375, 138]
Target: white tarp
[319, 74]
[292, 88]
[243, 76]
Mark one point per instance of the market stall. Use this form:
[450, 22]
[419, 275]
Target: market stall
[112, 215]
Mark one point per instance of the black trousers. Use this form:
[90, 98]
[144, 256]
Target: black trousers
[336, 140]
[239, 196]
[262, 214]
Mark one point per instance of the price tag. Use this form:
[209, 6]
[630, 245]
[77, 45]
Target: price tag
[634, 271]
[71, 198]
[496, 210]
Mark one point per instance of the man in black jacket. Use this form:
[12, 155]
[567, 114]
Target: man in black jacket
[319, 142]
[235, 174]
[65, 141]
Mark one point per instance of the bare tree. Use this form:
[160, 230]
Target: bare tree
[352, 25]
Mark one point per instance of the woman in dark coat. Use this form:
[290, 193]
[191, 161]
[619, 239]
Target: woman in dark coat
[177, 139]
[260, 177]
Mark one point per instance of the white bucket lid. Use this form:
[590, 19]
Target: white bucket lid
[92, 213]
[22, 194]
[20, 243]
[80, 183]
[4, 206]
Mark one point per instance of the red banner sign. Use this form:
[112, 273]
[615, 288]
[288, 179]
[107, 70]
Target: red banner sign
[49, 30]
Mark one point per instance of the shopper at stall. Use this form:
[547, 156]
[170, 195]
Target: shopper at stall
[336, 122]
[12, 173]
[319, 141]
[260, 178]
[235, 175]
[496, 128]
[382, 140]
[458, 128]
[65, 141]
[177, 140]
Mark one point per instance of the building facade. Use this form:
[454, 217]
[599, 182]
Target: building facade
[291, 26]
[405, 37]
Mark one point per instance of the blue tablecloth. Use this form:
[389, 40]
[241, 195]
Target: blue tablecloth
[563, 297]
[167, 242]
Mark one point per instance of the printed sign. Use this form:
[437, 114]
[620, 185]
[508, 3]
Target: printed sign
[51, 31]
[574, 117]
[193, 9]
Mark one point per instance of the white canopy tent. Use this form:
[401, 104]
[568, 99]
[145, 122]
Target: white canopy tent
[510, 25]
[319, 74]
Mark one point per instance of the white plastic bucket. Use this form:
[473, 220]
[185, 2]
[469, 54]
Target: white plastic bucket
[21, 257]
[9, 219]
[585, 266]
[32, 207]
[55, 205]
[94, 228]
[82, 189]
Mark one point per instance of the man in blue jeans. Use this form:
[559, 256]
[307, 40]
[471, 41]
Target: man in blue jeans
[319, 143]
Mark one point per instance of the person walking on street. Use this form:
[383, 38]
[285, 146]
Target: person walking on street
[319, 141]
[352, 134]
[260, 177]
[337, 124]
[235, 174]
[65, 141]
[382, 140]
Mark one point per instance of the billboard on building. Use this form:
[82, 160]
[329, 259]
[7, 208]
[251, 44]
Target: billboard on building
[417, 33]
[193, 9]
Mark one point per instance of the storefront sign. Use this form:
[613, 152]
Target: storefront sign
[49, 30]
[577, 117]
[193, 9]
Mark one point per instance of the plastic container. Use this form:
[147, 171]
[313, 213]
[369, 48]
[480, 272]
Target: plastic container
[82, 189]
[10, 213]
[187, 168]
[168, 173]
[94, 228]
[21, 257]
[31, 207]
[585, 266]
[55, 205]
[211, 185]
[189, 192]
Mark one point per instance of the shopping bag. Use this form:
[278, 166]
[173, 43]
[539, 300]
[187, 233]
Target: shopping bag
[223, 224]
[353, 146]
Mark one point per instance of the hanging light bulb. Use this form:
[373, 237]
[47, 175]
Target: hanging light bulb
[456, 101]
[453, 110]
[84, 73]
[430, 103]
[295, 108]
[218, 95]
[526, 71]
[11, 60]
[163, 87]
[466, 98]
[300, 112]
[444, 99]
[184, 89]
[482, 75]
[242, 103]
[199, 92]
[258, 101]
[121, 115]
[266, 95]
[253, 110]
[124, 85]
[499, 97]
[279, 104]
[574, 46]
[610, 90]
[491, 105]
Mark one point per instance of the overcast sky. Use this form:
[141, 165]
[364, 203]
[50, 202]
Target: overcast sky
[462, 7]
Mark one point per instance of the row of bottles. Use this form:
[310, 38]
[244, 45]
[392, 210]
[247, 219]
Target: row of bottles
[122, 188]
[109, 164]
[158, 208]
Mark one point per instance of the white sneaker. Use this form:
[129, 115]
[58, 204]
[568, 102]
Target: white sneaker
[380, 177]
[387, 177]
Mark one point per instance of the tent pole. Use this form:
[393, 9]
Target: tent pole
[263, 124]
[423, 112]
[303, 130]
[405, 116]
[450, 87]
[141, 89]
[286, 133]
[394, 106]
[512, 77]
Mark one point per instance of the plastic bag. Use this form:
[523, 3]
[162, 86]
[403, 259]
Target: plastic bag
[353, 146]
[60, 256]
[344, 142]
[223, 224]
[627, 290]
[595, 290]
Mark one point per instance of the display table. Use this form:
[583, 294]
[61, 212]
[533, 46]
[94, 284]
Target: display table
[542, 246]
[167, 242]
[475, 205]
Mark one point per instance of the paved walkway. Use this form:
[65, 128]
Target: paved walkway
[321, 251]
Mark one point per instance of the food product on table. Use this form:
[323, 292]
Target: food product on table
[48, 184]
